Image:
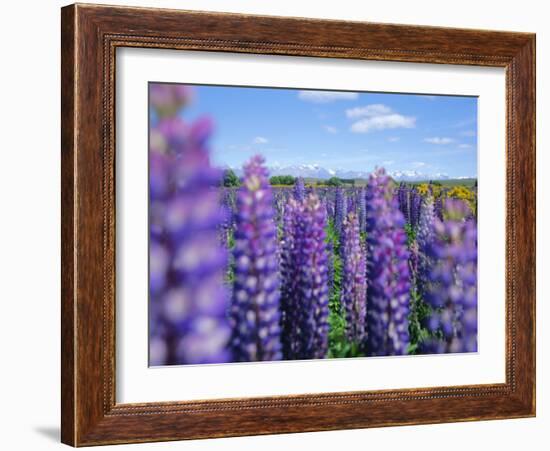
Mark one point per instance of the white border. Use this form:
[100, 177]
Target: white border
[138, 383]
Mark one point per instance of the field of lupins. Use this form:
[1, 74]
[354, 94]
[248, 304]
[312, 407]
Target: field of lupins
[260, 272]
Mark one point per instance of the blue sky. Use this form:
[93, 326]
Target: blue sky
[341, 130]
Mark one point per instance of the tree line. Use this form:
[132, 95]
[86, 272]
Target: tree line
[230, 179]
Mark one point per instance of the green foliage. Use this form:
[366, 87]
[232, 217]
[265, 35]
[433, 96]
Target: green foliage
[348, 181]
[230, 179]
[282, 180]
[419, 311]
[337, 181]
[230, 274]
[411, 234]
[339, 345]
[334, 181]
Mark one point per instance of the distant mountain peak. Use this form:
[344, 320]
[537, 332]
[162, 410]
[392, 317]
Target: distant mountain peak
[316, 171]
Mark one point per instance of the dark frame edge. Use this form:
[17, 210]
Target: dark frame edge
[68, 238]
[524, 69]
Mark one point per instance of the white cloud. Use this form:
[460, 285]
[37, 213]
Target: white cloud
[375, 109]
[394, 139]
[330, 129]
[468, 133]
[464, 146]
[260, 140]
[388, 162]
[439, 141]
[418, 164]
[377, 116]
[383, 122]
[326, 96]
[464, 123]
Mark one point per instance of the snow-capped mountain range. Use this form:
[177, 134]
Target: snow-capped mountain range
[318, 172]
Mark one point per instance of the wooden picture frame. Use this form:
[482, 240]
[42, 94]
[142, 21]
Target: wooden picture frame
[90, 36]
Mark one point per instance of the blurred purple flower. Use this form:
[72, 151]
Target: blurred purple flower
[452, 282]
[167, 99]
[188, 302]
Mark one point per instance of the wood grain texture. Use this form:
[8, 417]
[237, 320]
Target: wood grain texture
[90, 36]
[68, 312]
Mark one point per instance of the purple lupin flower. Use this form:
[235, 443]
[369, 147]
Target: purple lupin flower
[387, 270]
[415, 201]
[354, 285]
[329, 243]
[289, 282]
[403, 197]
[313, 260]
[351, 203]
[362, 210]
[323, 200]
[424, 238]
[452, 284]
[299, 189]
[305, 281]
[255, 305]
[340, 209]
[167, 99]
[414, 257]
[188, 301]
[330, 205]
[330, 267]
[280, 201]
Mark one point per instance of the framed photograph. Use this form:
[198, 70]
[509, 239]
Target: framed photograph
[279, 225]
